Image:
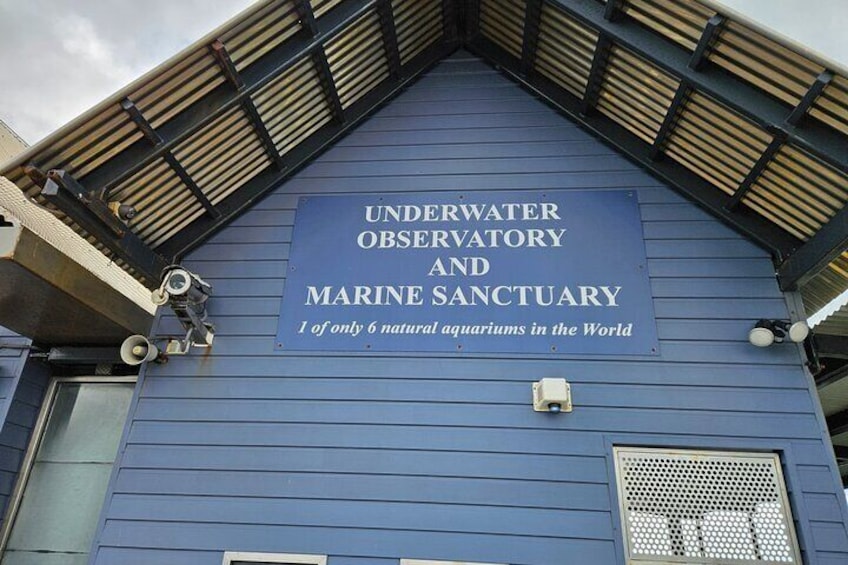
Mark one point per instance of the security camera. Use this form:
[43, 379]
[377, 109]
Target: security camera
[181, 285]
[186, 294]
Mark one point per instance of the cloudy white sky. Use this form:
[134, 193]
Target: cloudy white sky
[60, 57]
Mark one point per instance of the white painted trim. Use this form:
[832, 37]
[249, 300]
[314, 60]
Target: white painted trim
[430, 562]
[286, 558]
[55, 233]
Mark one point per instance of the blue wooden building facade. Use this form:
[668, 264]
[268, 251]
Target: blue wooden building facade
[247, 453]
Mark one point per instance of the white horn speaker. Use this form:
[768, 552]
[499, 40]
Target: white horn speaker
[137, 349]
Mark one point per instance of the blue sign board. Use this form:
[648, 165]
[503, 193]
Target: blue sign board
[493, 272]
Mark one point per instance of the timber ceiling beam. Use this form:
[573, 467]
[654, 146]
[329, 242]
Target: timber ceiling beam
[747, 222]
[532, 19]
[764, 110]
[810, 97]
[833, 346]
[225, 62]
[816, 253]
[196, 232]
[834, 371]
[766, 157]
[838, 423]
[155, 139]
[319, 56]
[94, 216]
[224, 98]
[681, 95]
[390, 39]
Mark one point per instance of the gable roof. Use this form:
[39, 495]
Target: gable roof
[749, 126]
[746, 124]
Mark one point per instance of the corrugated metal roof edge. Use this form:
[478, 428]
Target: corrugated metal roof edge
[116, 97]
[122, 93]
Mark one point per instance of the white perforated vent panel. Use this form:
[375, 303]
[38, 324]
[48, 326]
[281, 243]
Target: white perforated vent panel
[704, 507]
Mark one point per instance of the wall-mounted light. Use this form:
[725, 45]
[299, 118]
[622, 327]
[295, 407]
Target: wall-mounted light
[552, 395]
[125, 212]
[766, 332]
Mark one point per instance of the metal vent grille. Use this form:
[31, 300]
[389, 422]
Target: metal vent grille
[715, 142]
[757, 59]
[293, 106]
[681, 22]
[565, 49]
[357, 59]
[798, 192]
[831, 106]
[502, 21]
[266, 28]
[704, 507]
[635, 93]
[418, 24]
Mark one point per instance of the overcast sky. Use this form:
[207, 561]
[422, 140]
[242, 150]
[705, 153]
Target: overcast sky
[60, 57]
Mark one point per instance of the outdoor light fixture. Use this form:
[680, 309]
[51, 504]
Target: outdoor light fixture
[766, 332]
[552, 395]
[123, 211]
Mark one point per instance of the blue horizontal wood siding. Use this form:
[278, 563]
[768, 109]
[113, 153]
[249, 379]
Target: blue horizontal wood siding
[22, 386]
[369, 458]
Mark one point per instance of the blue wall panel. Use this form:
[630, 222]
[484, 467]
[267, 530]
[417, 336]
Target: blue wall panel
[370, 458]
[11, 356]
[22, 386]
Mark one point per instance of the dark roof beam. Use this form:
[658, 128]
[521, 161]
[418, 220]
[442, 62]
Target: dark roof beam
[319, 57]
[836, 374]
[705, 42]
[841, 453]
[390, 40]
[750, 101]
[778, 141]
[451, 20]
[219, 51]
[747, 222]
[680, 97]
[469, 13]
[612, 11]
[222, 99]
[155, 139]
[816, 253]
[833, 346]
[596, 73]
[195, 233]
[838, 423]
[810, 97]
[532, 19]
[94, 216]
